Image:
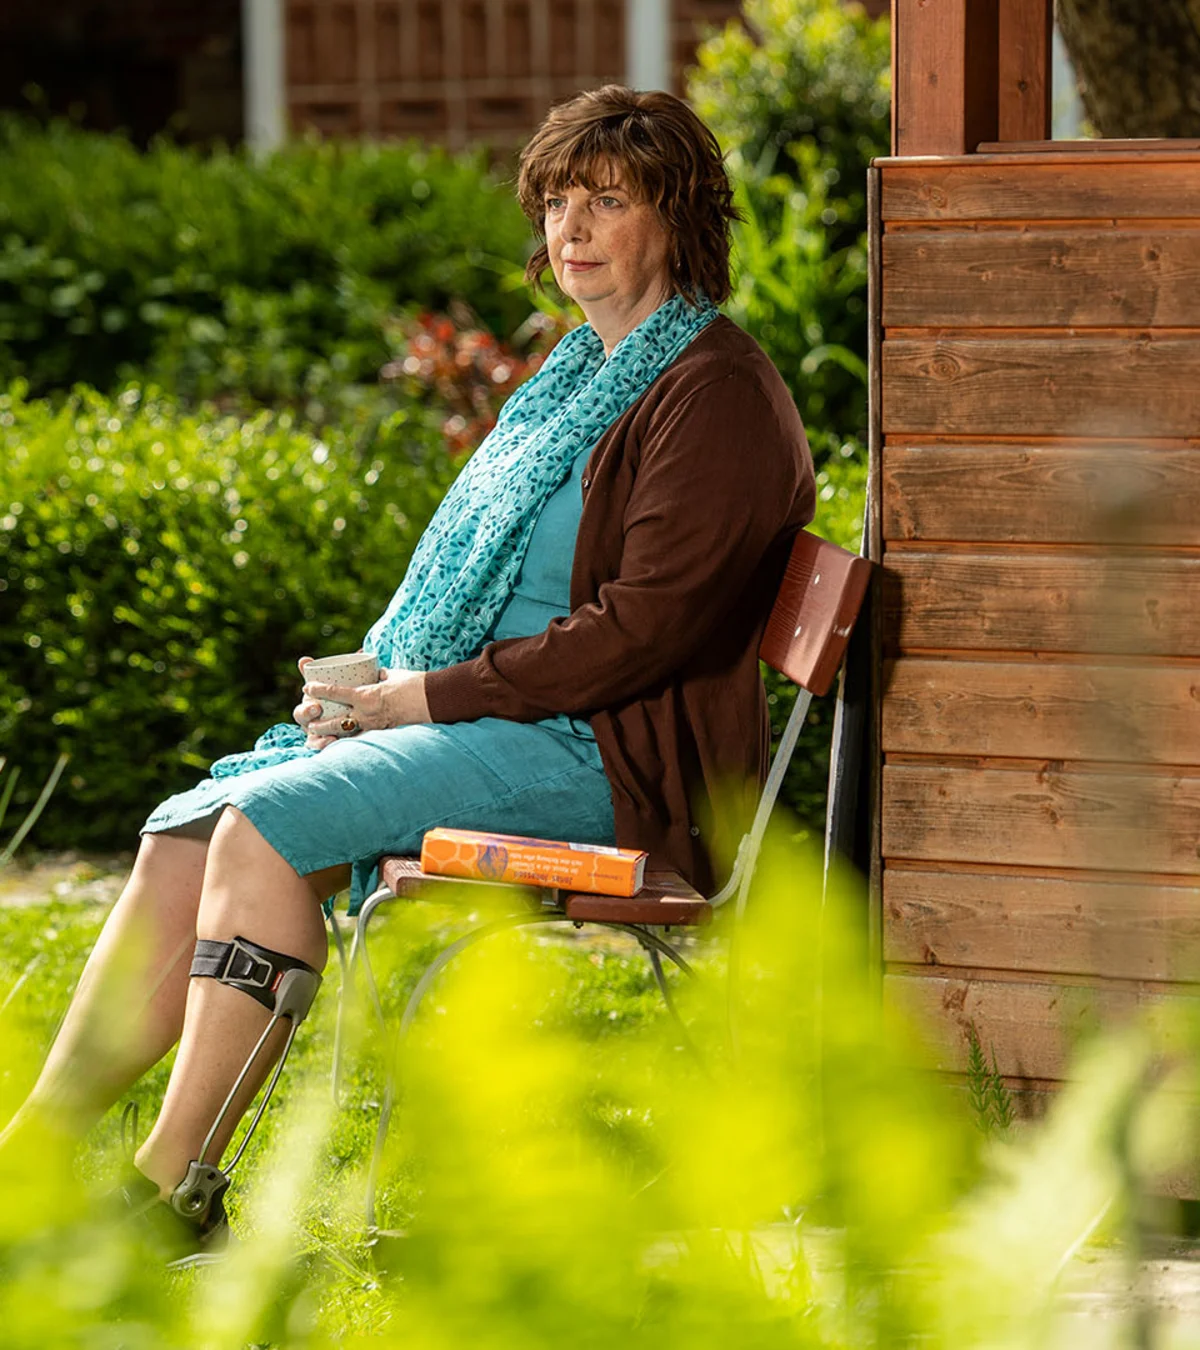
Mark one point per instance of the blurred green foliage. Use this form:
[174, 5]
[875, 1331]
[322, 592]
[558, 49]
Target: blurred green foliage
[160, 573]
[800, 105]
[269, 279]
[567, 1176]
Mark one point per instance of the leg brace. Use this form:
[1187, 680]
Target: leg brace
[286, 988]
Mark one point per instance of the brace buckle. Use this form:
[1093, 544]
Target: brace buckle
[260, 973]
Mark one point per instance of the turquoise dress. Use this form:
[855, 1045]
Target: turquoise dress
[377, 793]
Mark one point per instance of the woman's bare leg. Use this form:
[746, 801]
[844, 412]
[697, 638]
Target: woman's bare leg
[251, 892]
[127, 1010]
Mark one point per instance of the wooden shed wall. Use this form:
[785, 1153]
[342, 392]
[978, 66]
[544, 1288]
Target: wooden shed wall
[1037, 466]
[463, 70]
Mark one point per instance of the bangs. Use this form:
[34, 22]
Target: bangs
[601, 157]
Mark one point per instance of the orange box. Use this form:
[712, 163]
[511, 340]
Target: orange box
[535, 862]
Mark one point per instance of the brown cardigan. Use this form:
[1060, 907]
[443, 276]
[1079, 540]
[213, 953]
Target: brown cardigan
[690, 501]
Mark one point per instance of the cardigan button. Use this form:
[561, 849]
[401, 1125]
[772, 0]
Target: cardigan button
[587, 483]
[694, 831]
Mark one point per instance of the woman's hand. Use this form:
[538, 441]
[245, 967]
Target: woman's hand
[307, 711]
[398, 700]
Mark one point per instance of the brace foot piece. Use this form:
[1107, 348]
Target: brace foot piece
[180, 1238]
[195, 1195]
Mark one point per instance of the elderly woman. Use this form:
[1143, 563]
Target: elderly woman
[572, 652]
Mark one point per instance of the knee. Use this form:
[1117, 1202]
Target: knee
[171, 854]
[241, 859]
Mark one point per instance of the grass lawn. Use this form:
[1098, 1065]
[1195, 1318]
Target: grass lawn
[569, 1177]
[601, 994]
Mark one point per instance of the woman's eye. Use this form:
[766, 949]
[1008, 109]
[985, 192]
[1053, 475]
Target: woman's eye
[610, 201]
[553, 203]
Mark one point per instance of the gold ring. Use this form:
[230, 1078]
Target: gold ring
[349, 724]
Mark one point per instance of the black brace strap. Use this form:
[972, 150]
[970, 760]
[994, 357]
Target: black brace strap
[255, 970]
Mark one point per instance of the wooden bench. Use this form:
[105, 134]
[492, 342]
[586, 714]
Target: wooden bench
[805, 639]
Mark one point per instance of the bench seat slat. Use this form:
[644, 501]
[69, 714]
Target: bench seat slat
[666, 899]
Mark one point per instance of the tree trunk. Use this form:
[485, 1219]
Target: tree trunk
[1138, 63]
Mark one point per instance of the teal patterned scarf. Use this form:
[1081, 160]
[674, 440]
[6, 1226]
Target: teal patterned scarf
[467, 561]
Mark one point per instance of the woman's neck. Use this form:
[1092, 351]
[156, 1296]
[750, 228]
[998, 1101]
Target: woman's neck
[610, 325]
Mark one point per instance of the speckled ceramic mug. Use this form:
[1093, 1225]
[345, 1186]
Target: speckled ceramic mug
[351, 668]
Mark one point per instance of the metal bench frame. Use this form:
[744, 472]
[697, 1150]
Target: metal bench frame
[805, 639]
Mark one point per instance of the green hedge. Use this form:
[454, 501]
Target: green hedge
[212, 274]
[161, 573]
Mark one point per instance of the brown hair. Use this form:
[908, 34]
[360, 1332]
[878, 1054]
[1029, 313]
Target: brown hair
[667, 157]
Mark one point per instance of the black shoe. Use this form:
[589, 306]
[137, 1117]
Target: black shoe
[182, 1242]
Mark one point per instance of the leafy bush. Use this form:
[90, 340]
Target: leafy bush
[449, 362]
[162, 573]
[800, 104]
[804, 301]
[270, 278]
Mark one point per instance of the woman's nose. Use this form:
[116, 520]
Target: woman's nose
[574, 224]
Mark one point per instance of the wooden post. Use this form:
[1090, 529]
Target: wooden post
[1026, 54]
[944, 75]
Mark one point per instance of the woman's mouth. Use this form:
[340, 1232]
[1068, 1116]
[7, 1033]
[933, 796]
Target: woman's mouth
[582, 266]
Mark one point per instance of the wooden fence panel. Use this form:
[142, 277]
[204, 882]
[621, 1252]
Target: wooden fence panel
[1037, 444]
[1032, 1026]
[1042, 710]
[1044, 602]
[1080, 278]
[1043, 816]
[1077, 925]
[1063, 494]
[1145, 186]
[1032, 386]
[450, 70]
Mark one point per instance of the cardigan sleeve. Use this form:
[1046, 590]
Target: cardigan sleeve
[717, 483]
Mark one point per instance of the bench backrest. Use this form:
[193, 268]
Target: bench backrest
[814, 612]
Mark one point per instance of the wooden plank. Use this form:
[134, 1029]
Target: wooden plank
[1059, 385]
[1050, 925]
[944, 75]
[1032, 1026]
[1045, 602]
[1140, 146]
[1069, 494]
[1038, 710]
[1090, 187]
[666, 900]
[1069, 278]
[1045, 817]
[1024, 72]
[873, 547]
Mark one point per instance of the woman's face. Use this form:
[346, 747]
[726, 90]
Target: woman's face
[608, 253]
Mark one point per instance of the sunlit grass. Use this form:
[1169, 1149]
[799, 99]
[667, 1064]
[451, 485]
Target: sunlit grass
[566, 1174]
